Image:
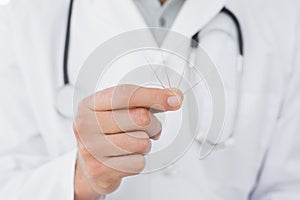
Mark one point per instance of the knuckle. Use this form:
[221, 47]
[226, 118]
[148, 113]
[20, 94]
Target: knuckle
[119, 90]
[141, 163]
[142, 117]
[159, 97]
[159, 128]
[144, 145]
[100, 121]
[122, 89]
[98, 96]
[156, 130]
[97, 99]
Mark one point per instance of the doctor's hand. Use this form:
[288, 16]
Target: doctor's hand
[114, 128]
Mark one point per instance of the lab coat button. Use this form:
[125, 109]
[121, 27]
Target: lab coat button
[170, 171]
[162, 22]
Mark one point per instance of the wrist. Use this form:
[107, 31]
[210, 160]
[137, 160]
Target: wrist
[82, 189]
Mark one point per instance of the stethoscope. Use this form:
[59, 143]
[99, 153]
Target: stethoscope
[64, 101]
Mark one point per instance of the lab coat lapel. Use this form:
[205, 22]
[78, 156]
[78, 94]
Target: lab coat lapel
[193, 16]
[128, 17]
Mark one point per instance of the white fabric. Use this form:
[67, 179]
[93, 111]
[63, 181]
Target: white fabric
[38, 149]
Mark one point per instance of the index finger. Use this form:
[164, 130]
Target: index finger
[132, 96]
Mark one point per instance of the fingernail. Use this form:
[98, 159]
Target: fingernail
[174, 101]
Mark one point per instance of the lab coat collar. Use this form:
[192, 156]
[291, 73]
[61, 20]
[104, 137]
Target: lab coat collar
[193, 16]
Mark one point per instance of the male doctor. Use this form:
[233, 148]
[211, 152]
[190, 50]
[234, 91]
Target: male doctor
[40, 157]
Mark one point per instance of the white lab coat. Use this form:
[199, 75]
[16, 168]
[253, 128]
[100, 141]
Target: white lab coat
[38, 149]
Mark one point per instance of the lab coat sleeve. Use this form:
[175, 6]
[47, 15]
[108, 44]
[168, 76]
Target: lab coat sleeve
[51, 180]
[26, 170]
[280, 174]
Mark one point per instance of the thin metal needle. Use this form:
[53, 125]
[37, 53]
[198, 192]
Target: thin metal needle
[196, 84]
[156, 75]
[166, 69]
[183, 71]
[181, 76]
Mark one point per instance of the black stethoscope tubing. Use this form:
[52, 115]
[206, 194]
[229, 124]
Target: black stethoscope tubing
[194, 44]
[67, 45]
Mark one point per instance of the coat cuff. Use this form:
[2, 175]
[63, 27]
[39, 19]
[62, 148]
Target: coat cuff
[65, 166]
